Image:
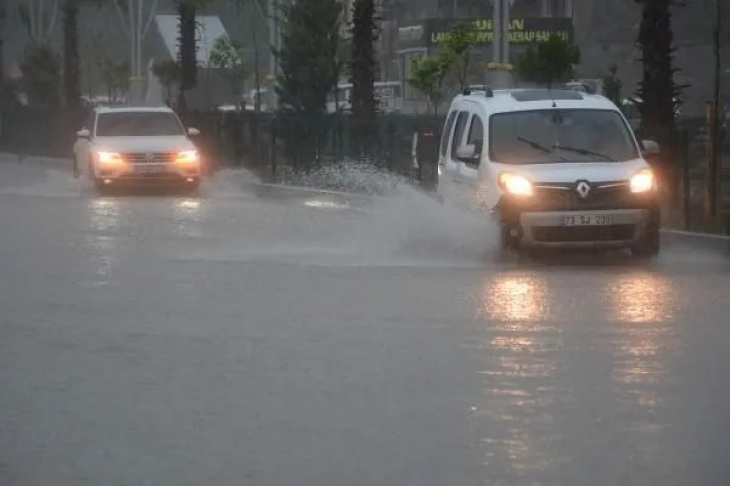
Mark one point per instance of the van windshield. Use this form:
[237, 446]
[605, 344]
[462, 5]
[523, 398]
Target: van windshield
[560, 136]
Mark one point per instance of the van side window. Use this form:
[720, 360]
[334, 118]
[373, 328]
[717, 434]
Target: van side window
[447, 133]
[476, 133]
[458, 132]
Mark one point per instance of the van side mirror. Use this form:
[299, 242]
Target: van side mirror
[467, 154]
[83, 133]
[650, 147]
[193, 132]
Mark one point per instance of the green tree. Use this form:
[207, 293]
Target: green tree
[362, 60]
[657, 91]
[553, 61]
[228, 56]
[612, 86]
[41, 67]
[168, 72]
[115, 75]
[459, 44]
[308, 55]
[428, 75]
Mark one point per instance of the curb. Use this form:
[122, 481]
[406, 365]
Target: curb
[704, 241]
[281, 190]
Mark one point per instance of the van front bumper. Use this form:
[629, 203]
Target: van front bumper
[549, 229]
[620, 223]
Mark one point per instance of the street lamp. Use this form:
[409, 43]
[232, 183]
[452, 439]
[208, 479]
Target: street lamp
[500, 43]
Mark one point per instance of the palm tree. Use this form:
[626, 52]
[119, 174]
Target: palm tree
[71, 71]
[187, 11]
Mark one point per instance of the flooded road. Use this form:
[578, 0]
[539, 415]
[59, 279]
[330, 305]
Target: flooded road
[231, 338]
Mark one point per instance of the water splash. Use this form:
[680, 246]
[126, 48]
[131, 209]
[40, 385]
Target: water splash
[399, 224]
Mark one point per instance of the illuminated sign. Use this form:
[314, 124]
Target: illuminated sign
[521, 30]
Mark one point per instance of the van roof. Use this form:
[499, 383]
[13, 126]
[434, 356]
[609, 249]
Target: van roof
[508, 100]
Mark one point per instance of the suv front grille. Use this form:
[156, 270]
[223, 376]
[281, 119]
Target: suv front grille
[582, 234]
[149, 157]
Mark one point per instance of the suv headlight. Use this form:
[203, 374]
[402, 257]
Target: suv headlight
[515, 184]
[642, 182]
[109, 158]
[187, 157]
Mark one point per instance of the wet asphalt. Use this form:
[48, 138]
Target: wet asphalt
[235, 338]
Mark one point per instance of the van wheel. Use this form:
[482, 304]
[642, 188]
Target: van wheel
[507, 241]
[648, 246]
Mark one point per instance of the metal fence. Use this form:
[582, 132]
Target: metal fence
[42, 131]
[284, 146]
[683, 165]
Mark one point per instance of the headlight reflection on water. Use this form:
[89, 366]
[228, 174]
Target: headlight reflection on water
[515, 298]
[103, 218]
[641, 298]
[519, 353]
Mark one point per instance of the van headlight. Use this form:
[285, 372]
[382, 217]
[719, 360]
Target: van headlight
[514, 184]
[643, 181]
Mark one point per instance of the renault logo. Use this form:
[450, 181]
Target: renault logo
[583, 189]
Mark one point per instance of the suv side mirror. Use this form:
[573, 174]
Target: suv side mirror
[83, 133]
[467, 154]
[193, 132]
[650, 147]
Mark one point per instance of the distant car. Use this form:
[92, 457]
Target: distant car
[556, 168]
[136, 145]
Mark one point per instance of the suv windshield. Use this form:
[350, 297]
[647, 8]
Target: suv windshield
[138, 124]
[560, 136]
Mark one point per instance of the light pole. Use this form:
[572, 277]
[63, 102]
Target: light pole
[500, 44]
[136, 31]
[714, 172]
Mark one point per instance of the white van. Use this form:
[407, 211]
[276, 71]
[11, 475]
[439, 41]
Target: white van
[556, 168]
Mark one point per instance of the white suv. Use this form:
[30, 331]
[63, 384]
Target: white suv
[557, 168]
[136, 145]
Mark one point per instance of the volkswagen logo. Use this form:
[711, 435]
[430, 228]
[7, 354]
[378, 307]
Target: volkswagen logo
[149, 157]
[583, 189]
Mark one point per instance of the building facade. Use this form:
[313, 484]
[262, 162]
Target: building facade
[605, 31]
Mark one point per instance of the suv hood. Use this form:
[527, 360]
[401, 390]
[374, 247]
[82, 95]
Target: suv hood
[571, 172]
[143, 144]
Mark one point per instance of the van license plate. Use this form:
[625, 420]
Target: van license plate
[588, 220]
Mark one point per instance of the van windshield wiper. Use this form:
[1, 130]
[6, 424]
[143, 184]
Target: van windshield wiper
[538, 146]
[535, 145]
[584, 151]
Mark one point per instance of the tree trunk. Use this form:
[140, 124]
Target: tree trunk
[363, 59]
[362, 70]
[3, 20]
[188, 51]
[71, 72]
[657, 87]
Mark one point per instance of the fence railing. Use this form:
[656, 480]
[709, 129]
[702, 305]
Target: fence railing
[283, 147]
